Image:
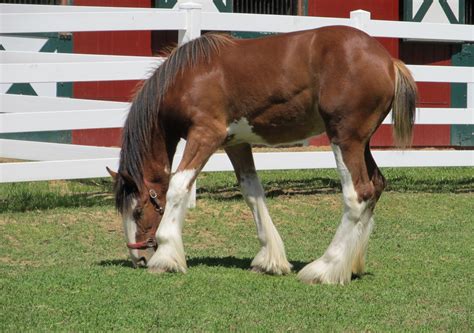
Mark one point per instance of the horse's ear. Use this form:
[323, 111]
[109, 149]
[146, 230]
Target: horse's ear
[127, 178]
[112, 173]
[123, 175]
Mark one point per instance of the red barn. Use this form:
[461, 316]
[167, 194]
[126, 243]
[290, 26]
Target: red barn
[412, 52]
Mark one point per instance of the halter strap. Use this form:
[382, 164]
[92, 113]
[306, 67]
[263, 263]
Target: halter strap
[151, 241]
[147, 244]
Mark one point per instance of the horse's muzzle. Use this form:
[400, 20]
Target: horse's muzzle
[141, 263]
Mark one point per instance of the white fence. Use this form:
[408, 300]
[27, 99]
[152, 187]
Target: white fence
[61, 161]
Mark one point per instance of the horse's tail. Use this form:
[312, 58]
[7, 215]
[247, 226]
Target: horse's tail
[404, 103]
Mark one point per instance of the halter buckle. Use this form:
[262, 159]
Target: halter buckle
[151, 243]
[153, 194]
[154, 201]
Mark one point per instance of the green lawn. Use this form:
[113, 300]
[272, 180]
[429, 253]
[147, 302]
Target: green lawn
[64, 267]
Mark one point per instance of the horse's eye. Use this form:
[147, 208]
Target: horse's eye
[137, 214]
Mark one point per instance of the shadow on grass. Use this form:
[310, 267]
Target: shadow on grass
[360, 276]
[274, 189]
[226, 262]
[116, 262]
[23, 197]
[401, 184]
[316, 185]
[24, 201]
[31, 196]
[232, 262]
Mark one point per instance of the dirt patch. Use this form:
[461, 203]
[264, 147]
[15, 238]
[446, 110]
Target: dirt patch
[23, 262]
[3, 221]
[109, 220]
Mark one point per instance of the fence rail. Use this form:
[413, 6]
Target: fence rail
[60, 161]
[16, 19]
[95, 167]
[33, 67]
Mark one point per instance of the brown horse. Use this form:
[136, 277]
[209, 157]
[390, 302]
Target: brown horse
[216, 91]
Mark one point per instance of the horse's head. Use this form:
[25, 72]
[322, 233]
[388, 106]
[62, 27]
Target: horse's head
[142, 207]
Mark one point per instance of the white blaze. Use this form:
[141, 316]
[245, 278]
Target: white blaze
[130, 229]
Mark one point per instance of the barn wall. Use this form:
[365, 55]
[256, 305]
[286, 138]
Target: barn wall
[380, 10]
[114, 43]
[419, 53]
[143, 43]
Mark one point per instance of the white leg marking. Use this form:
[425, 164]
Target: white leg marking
[169, 256]
[335, 266]
[271, 258]
[130, 229]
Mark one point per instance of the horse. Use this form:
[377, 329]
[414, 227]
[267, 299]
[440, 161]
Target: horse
[220, 92]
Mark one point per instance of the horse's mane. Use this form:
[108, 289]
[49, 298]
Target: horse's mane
[142, 119]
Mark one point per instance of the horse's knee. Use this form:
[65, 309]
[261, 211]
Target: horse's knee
[372, 190]
[366, 191]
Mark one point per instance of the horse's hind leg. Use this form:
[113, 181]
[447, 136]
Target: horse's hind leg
[361, 186]
[271, 258]
[378, 180]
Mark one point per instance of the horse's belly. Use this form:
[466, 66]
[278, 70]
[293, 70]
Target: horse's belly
[275, 130]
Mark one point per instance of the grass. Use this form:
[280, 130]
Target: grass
[64, 266]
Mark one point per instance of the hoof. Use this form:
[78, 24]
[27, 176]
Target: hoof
[156, 270]
[162, 264]
[168, 268]
[322, 272]
[272, 268]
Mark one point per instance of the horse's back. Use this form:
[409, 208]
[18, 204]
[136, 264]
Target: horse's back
[284, 85]
[336, 57]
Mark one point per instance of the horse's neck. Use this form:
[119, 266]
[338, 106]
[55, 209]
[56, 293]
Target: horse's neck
[158, 162]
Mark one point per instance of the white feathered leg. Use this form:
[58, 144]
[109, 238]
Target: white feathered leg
[169, 256]
[271, 258]
[358, 263]
[335, 266]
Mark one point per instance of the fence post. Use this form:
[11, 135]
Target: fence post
[193, 22]
[193, 31]
[360, 18]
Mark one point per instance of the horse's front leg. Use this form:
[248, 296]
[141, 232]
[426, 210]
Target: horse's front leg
[170, 257]
[271, 258]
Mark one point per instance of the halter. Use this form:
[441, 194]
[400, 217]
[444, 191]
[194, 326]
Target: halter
[154, 201]
[151, 241]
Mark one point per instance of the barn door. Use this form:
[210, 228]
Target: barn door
[462, 135]
[437, 53]
[38, 42]
[272, 7]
